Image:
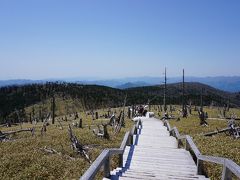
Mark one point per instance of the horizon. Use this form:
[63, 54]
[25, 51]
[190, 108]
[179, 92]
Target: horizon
[112, 40]
[118, 78]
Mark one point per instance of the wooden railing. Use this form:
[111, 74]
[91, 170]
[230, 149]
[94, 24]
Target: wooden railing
[230, 168]
[104, 158]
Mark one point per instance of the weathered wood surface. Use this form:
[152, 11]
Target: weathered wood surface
[155, 155]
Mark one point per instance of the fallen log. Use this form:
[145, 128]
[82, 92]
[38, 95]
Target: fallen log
[53, 151]
[17, 131]
[4, 135]
[7, 124]
[217, 132]
[3, 125]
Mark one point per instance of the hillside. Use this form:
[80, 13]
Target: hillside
[72, 97]
[68, 97]
[192, 92]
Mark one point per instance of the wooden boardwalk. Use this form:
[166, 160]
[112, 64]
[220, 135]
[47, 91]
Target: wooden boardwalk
[155, 155]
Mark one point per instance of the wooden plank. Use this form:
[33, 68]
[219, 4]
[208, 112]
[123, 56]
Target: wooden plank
[233, 167]
[212, 159]
[125, 141]
[193, 146]
[96, 165]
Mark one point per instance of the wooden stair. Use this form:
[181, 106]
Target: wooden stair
[155, 155]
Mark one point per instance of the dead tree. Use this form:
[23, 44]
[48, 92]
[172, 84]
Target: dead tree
[80, 123]
[53, 109]
[92, 113]
[129, 113]
[77, 146]
[96, 115]
[133, 111]
[108, 113]
[184, 108]
[232, 130]
[76, 116]
[59, 122]
[19, 118]
[202, 118]
[201, 100]
[102, 132]
[45, 124]
[165, 90]
[30, 118]
[112, 120]
[118, 126]
[105, 131]
[53, 151]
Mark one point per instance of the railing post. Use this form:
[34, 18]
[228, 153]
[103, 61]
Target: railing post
[120, 160]
[187, 145]
[130, 140]
[135, 130]
[140, 124]
[226, 174]
[199, 167]
[179, 143]
[107, 168]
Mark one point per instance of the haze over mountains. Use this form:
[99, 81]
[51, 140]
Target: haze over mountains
[230, 83]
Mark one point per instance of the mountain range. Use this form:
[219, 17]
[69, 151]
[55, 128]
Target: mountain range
[225, 83]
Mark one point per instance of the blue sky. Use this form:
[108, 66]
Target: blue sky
[113, 39]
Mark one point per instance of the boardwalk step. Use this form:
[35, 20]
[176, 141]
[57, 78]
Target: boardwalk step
[155, 155]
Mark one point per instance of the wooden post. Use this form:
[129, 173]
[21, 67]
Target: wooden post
[107, 168]
[226, 174]
[199, 167]
[135, 131]
[187, 146]
[179, 143]
[120, 160]
[130, 140]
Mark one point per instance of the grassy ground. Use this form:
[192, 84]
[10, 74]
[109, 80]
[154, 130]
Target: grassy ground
[219, 145]
[22, 158]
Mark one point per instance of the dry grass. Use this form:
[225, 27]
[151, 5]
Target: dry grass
[22, 158]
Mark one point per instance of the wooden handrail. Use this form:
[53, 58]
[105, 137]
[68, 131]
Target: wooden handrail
[229, 167]
[104, 158]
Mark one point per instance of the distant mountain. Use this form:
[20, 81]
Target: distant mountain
[132, 85]
[19, 82]
[230, 84]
